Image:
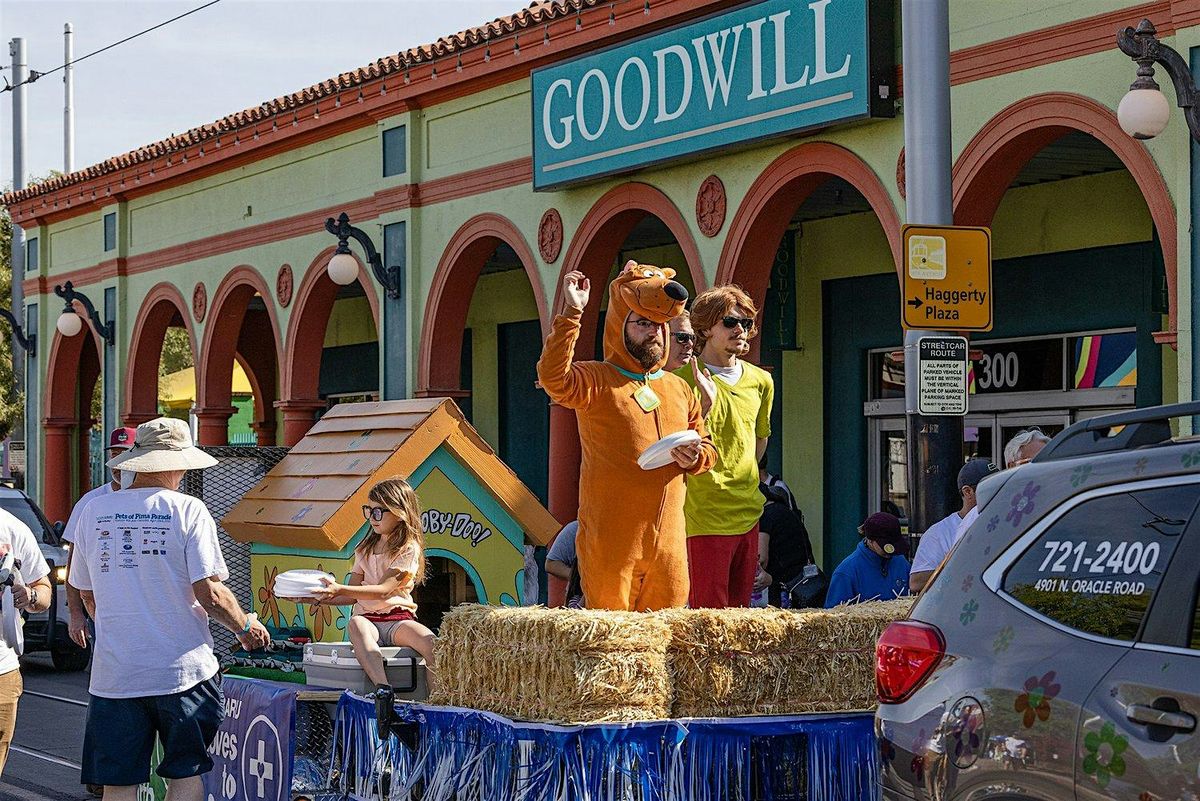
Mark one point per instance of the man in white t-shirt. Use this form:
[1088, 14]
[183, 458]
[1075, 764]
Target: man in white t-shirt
[149, 568]
[31, 593]
[119, 441]
[936, 543]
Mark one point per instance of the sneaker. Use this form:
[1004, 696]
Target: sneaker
[385, 700]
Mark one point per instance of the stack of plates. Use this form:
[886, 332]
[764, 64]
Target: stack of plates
[659, 454]
[299, 583]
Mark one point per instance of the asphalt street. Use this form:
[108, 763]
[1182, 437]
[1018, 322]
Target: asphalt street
[43, 762]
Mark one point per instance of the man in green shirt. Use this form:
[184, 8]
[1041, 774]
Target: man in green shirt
[723, 506]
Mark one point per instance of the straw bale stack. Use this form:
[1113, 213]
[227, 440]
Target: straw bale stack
[732, 662]
[557, 665]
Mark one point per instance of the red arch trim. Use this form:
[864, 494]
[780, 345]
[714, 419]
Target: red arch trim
[311, 308]
[773, 198]
[141, 378]
[223, 328]
[994, 157]
[440, 347]
[607, 224]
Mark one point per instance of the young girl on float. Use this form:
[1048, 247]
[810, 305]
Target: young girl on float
[388, 564]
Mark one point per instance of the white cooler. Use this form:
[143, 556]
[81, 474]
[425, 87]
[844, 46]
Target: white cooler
[332, 664]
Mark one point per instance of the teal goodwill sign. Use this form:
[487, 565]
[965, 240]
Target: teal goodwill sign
[766, 69]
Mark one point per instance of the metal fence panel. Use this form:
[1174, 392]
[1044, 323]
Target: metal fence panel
[238, 469]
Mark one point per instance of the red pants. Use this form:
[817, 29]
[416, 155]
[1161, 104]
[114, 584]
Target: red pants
[722, 569]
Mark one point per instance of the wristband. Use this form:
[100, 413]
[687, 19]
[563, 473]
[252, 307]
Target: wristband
[250, 619]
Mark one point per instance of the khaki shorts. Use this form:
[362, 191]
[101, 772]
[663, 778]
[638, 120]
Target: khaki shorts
[10, 692]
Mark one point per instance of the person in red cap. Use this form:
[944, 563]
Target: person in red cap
[119, 441]
[878, 568]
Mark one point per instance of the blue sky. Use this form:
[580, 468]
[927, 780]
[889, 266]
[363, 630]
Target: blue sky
[233, 55]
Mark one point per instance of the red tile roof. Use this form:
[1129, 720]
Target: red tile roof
[538, 13]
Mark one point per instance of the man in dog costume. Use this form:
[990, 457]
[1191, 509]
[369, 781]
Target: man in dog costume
[631, 545]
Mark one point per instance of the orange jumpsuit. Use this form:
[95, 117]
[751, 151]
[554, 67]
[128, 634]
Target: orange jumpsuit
[632, 543]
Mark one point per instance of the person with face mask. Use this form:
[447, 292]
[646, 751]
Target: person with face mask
[631, 543]
[119, 441]
[878, 568]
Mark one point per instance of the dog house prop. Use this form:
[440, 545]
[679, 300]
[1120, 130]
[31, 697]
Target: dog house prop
[307, 511]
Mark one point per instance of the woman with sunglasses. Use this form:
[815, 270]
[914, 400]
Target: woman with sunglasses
[722, 507]
[388, 565]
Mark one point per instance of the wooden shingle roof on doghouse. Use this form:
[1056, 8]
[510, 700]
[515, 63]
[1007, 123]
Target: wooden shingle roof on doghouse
[313, 498]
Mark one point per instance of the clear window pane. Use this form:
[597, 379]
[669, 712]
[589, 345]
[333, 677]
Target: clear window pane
[1097, 568]
[110, 231]
[395, 160]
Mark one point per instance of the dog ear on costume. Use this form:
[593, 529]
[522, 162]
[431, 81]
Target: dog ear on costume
[629, 265]
[667, 272]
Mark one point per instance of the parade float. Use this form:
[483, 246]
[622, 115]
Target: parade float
[529, 702]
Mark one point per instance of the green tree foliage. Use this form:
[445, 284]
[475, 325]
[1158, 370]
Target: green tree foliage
[12, 403]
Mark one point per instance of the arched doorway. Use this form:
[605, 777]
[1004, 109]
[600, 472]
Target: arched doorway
[816, 217]
[332, 347]
[162, 351]
[71, 422]
[485, 319]
[241, 327]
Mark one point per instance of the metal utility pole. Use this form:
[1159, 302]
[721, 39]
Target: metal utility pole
[68, 99]
[934, 443]
[20, 71]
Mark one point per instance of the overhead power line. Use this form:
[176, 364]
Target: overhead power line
[34, 74]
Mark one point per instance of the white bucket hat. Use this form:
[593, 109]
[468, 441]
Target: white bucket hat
[161, 445]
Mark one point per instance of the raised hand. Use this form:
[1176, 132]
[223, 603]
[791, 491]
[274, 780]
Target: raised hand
[706, 384]
[576, 289]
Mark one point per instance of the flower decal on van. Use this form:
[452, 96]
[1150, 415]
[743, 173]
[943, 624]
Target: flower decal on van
[1003, 639]
[1022, 503]
[1034, 703]
[969, 610]
[1079, 475]
[1102, 754]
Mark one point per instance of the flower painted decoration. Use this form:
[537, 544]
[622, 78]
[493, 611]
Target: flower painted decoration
[1140, 465]
[969, 610]
[267, 600]
[1022, 503]
[1003, 639]
[993, 522]
[967, 583]
[1034, 703]
[1080, 475]
[1102, 754]
[1191, 459]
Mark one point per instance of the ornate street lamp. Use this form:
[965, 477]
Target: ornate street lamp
[29, 343]
[69, 323]
[1144, 111]
[343, 269]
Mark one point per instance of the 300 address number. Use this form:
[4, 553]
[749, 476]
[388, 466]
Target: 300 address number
[1125, 557]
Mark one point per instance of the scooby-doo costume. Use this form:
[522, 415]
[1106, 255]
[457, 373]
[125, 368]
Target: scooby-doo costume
[632, 544]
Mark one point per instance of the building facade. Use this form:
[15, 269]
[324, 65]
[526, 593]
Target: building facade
[455, 159]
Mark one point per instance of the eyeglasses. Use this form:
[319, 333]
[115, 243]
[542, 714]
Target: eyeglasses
[683, 338]
[645, 325]
[373, 513]
[747, 323]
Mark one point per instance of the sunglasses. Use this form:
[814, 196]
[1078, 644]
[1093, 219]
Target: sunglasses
[683, 338]
[645, 325]
[747, 323]
[373, 513]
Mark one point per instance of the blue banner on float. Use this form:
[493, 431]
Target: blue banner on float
[769, 68]
[252, 752]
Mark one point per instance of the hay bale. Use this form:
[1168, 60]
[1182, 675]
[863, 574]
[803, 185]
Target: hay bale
[554, 665]
[731, 662]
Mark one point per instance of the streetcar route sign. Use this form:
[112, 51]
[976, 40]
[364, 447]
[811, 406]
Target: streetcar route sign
[942, 376]
[947, 278]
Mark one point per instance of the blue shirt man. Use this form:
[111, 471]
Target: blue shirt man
[878, 568]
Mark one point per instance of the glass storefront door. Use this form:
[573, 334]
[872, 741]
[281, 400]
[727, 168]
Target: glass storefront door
[984, 436]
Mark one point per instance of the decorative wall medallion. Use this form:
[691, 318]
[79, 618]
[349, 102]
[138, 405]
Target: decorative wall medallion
[900, 177]
[710, 206]
[550, 236]
[283, 285]
[199, 302]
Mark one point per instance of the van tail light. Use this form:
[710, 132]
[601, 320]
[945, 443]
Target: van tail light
[906, 654]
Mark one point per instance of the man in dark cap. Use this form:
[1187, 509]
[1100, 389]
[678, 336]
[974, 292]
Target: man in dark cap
[941, 537]
[878, 568]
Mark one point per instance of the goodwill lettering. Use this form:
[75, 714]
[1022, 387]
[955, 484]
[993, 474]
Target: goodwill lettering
[456, 524]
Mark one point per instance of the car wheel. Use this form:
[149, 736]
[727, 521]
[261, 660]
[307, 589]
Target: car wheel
[70, 661]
